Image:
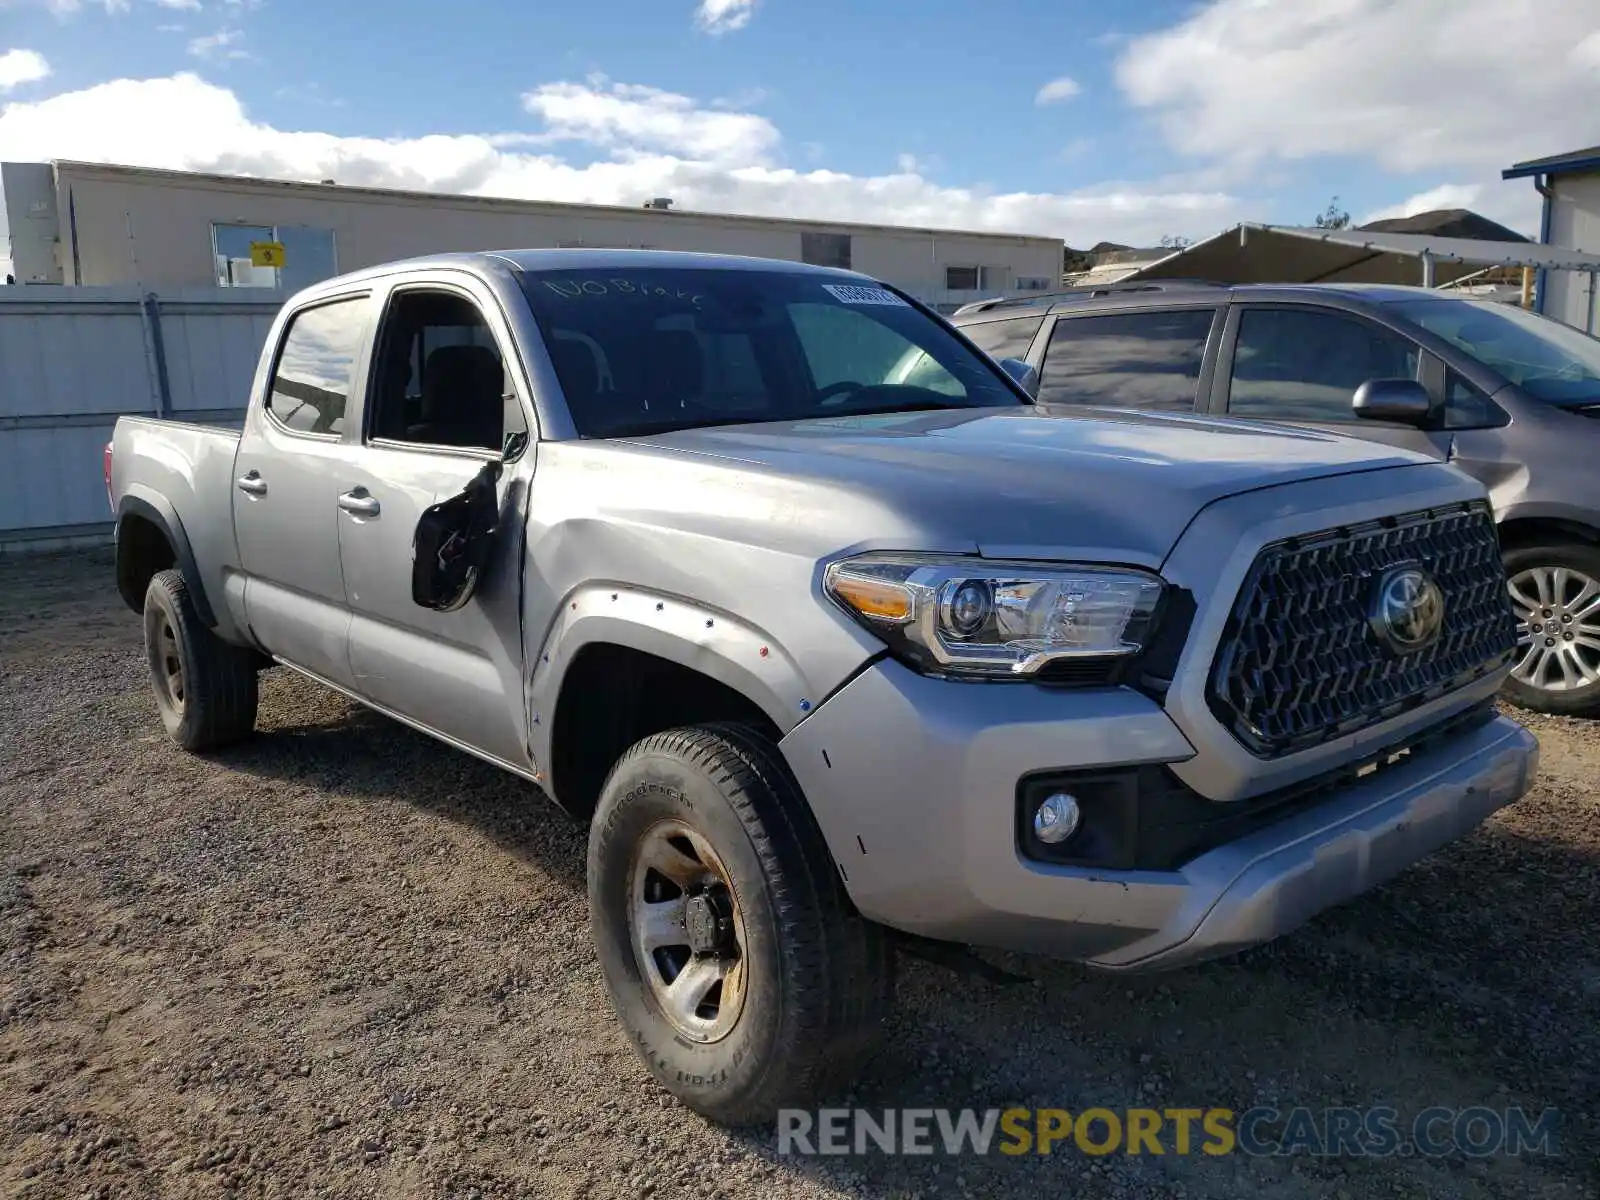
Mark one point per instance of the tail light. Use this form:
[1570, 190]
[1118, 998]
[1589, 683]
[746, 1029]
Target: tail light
[110, 500]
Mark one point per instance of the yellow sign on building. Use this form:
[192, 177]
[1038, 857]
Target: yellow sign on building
[266, 254]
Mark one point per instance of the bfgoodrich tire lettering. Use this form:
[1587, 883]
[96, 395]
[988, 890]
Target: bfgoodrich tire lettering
[206, 689]
[817, 977]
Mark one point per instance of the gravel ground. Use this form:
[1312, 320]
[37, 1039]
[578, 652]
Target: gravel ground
[345, 961]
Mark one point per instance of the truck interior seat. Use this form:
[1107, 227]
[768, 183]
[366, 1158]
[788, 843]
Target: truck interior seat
[462, 398]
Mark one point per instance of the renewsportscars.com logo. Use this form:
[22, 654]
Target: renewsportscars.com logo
[1326, 1132]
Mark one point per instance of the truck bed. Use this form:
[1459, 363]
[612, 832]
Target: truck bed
[183, 473]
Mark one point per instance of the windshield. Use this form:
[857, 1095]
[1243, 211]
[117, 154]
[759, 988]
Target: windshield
[654, 349]
[1548, 360]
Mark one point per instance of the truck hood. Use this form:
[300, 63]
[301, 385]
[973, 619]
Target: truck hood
[1029, 482]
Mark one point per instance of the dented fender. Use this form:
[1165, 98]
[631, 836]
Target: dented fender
[718, 644]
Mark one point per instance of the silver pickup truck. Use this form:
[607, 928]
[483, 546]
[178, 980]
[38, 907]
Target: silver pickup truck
[834, 639]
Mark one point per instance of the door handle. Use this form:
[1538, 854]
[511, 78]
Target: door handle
[252, 482]
[359, 502]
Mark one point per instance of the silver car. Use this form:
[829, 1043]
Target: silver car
[1508, 396]
[836, 643]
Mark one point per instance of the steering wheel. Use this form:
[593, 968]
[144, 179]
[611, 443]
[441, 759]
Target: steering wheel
[835, 392]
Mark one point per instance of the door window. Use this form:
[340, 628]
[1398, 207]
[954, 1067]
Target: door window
[311, 383]
[441, 380]
[1301, 364]
[1148, 360]
[1004, 339]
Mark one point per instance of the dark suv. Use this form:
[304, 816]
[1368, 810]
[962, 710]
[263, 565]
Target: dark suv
[1509, 397]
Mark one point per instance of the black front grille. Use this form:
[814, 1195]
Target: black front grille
[1299, 661]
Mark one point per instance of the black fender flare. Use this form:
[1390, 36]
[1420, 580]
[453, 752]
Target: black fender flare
[156, 510]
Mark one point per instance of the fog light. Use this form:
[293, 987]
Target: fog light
[1057, 818]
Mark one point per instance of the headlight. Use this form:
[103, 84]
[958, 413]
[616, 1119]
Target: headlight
[965, 616]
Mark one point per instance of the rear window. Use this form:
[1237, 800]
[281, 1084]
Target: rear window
[1546, 359]
[642, 351]
[1009, 338]
[1147, 360]
[311, 382]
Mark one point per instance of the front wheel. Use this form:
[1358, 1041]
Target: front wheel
[733, 962]
[1555, 590]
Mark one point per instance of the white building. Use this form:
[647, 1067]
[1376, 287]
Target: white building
[78, 223]
[1570, 185]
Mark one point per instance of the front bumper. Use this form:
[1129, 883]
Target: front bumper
[913, 781]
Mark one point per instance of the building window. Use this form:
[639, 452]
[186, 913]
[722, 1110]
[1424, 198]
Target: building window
[825, 249]
[961, 279]
[1032, 283]
[308, 256]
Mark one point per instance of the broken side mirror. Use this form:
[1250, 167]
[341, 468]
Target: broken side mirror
[450, 549]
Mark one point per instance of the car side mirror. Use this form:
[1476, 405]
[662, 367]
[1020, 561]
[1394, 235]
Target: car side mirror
[1401, 400]
[515, 443]
[1026, 376]
[451, 546]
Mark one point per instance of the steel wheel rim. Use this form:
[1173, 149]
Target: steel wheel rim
[701, 993]
[169, 675]
[1558, 628]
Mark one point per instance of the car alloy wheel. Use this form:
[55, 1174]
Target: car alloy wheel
[1558, 628]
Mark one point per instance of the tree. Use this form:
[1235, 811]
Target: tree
[1333, 217]
[1174, 241]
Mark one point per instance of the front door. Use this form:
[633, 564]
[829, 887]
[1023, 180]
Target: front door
[291, 458]
[1302, 365]
[438, 408]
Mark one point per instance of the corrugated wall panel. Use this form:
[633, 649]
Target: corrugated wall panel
[211, 355]
[73, 359]
[52, 477]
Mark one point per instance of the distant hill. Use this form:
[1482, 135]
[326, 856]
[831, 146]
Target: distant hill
[1449, 222]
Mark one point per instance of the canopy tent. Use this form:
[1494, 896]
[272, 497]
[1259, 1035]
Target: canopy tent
[1252, 253]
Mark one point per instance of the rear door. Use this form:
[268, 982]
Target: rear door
[442, 397]
[291, 457]
[1301, 364]
[1153, 359]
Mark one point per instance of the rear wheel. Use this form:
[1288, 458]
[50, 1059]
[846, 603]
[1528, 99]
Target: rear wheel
[206, 689]
[733, 962]
[1555, 590]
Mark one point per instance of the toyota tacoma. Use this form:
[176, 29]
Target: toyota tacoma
[834, 639]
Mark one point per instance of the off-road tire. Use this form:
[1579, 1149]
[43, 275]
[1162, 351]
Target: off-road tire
[819, 979]
[216, 693]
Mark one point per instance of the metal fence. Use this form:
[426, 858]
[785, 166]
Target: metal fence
[74, 359]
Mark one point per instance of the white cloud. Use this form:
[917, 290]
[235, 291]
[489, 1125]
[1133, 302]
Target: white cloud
[1446, 195]
[222, 44]
[191, 5]
[66, 8]
[1057, 90]
[18, 67]
[1410, 84]
[723, 16]
[1515, 205]
[658, 144]
[626, 115]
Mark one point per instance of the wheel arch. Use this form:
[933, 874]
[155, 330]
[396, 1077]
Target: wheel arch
[151, 538]
[607, 635]
[1521, 528]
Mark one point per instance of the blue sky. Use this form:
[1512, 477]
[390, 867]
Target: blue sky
[1076, 118]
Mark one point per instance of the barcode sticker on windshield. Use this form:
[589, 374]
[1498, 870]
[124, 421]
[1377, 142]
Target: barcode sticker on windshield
[862, 295]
